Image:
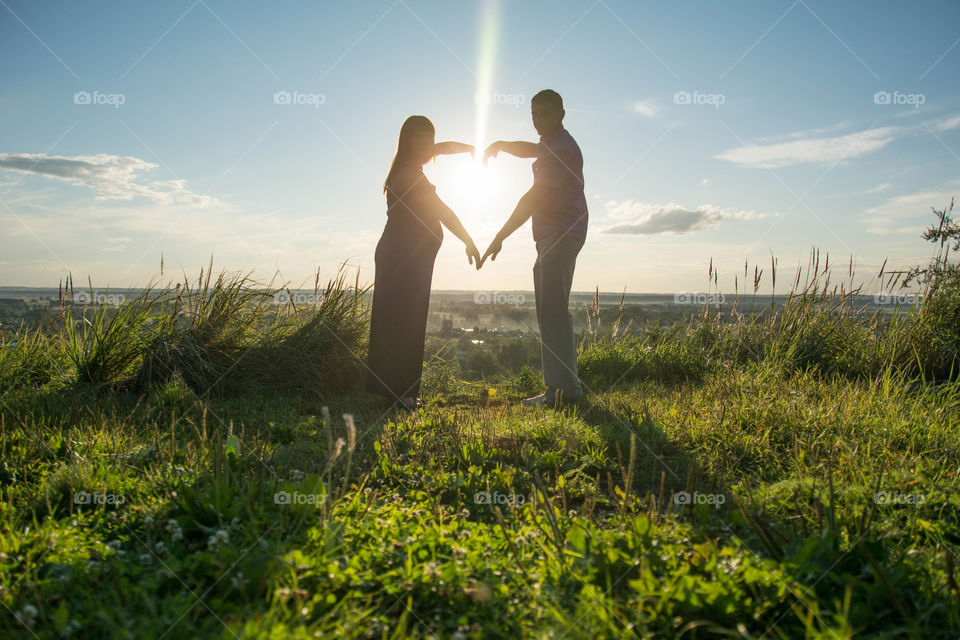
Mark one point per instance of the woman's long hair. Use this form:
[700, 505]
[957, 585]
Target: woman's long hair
[405, 147]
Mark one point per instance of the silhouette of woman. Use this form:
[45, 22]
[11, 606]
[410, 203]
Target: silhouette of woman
[405, 257]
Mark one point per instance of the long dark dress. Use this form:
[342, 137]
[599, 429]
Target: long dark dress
[401, 291]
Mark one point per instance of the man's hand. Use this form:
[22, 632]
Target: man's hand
[491, 152]
[492, 250]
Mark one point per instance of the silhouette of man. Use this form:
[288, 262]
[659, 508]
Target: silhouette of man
[559, 211]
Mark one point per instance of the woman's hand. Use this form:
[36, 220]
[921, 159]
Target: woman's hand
[473, 254]
[450, 148]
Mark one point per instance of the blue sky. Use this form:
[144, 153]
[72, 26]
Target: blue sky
[709, 130]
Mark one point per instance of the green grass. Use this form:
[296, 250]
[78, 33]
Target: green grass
[591, 544]
[791, 474]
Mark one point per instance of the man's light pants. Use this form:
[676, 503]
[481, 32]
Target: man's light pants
[552, 278]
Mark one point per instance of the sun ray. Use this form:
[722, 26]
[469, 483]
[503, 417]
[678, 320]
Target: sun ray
[486, 66]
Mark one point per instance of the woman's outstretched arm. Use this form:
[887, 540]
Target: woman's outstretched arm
[452, 222]
[450, 148]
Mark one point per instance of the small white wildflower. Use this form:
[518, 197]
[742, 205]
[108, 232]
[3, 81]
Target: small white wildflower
[148, 521]
[571, 514]
[222, 536]
[28, 614]
[235, 521]
[145, 558]
[173, 528]
[465, 513]
[239, 582]
[211, 542]
[160, 547]
[114, 544]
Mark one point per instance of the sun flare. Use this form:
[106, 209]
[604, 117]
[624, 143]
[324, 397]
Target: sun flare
[476, 183]
[477, 194]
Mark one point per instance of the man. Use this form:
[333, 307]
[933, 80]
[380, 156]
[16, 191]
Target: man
[559, 211]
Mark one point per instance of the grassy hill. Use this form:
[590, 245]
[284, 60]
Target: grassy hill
[200, 462]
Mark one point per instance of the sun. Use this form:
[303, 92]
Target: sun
[475, 182]
[473, 191]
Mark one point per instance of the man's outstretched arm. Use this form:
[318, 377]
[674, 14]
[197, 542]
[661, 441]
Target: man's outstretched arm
[518, 148]
[527, 204]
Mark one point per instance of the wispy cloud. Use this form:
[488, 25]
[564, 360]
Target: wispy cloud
[906, 213]
[117, 244]
[641, 218]
[805, 147]
[947, 124]
[812, 150]
[111, 177]
[647, 108]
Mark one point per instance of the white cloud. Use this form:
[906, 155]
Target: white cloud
[948, 123]
[117, 244]
[647, 108]
[878, 188]
[812, 150]
[111, 177]
[641, 218]
[906, 213]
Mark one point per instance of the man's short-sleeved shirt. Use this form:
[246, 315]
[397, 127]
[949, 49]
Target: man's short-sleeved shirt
[559, 168]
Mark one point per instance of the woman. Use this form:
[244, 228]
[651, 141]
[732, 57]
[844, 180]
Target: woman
[404, 264]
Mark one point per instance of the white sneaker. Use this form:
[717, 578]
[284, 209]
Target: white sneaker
[550, 398]
[535, 401]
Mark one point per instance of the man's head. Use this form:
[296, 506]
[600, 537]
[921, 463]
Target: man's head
[547, 110]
